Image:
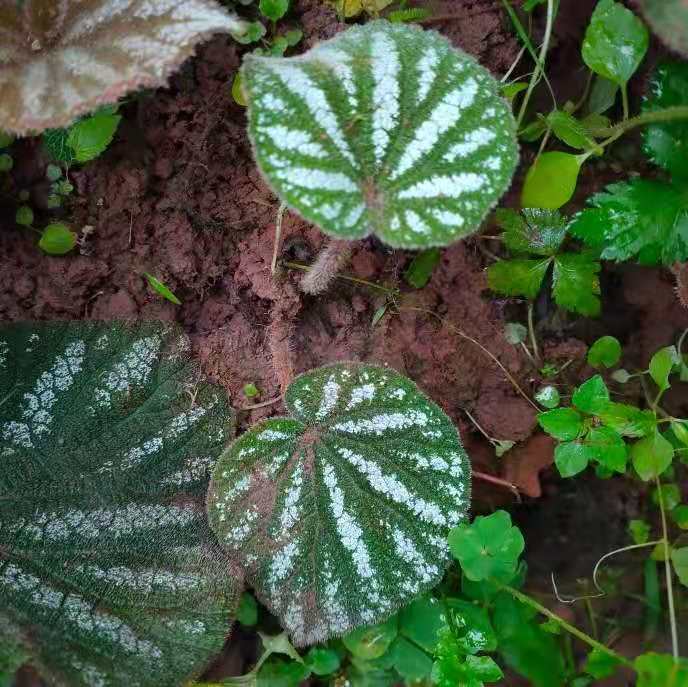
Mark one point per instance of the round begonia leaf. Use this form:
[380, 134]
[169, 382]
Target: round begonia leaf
[385, 129]
[339, 514]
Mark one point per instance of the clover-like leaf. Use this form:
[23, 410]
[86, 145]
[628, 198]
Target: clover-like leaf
[488, 548]
[109, 574]
[339, 514]
[61, 58]
[385, 129]
[669, 20]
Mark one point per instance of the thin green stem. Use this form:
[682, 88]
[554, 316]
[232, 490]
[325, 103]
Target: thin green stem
[624, 101]
[669, 114]
[571, 629]
[540, 63]
[668, 574]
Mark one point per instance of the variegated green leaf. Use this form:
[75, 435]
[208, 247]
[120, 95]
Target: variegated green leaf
[386, 129]
[339, 514]
[109, 575]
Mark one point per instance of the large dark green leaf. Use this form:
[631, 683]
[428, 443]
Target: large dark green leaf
[109, 575]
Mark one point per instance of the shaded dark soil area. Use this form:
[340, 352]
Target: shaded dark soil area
[178, 195]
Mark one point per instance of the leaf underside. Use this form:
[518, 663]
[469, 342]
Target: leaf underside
[109, 575]
[340, 513]
[60, 59]
[385, 129]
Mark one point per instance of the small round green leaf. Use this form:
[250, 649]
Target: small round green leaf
[372, 641]
[615, 42]
[606, 351]
[548, 396]
[661, 365]
[600, 664]
[339, 514]
[573, 457]
[564, 424]
[110, 575]
[322, 661]
[6, 162]
[385, 129]
[24, 216]
[6, 139]
[651, 456]
[680, 516]
[550, 181]
[57, 239]
[488, 548]
[273, 9]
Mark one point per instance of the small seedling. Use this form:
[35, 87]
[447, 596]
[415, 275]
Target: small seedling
[251, 390]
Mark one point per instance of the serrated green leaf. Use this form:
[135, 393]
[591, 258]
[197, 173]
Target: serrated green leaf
[627, 420]
[339, 513]
[592, 396]
[385, 129]
[90, 137]
[518, 277]
[605, 351]
[57, 239]
[655, 670]
[609, 448]
[643, 219]
[488, 548]
[575, 283]
[564, 424]
[533, 230]
[669, 20]
[667, 144]
[615, 42]
[110, 574]
[569, 130]
[651, 456]
[572, 457]
[550, 181]
[661, 365]
[420, 270]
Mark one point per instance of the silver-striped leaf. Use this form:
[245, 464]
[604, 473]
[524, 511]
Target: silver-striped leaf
[109, 574]
[60, 59]
[385, 129]
[339, 514]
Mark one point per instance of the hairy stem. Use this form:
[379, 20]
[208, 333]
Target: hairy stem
[669, 114]
[331, 258]
[571, 629]
[668, 574]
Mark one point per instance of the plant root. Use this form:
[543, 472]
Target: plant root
[330, 260]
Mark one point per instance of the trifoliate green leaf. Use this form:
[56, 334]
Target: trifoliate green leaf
[57, 239]
[488, 548]
[110, 575]
[651, 456]
[89, 137]
[532, 230]
[606, 351]
[385, 129]
[643, 219]
[600, 664]
[679, 558]
[322, 661]
[550, 181]
[572, 457]
[518, 277]
[420, 270]
[339, 514]
[640, 531]
[575, 284]
[627, 420]
[548, 396]
[592, 396]
[669, 20]
[661, 365]
[615, 42]
[667, 144]
[372, 641]
[564, 424]
[661, 669]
